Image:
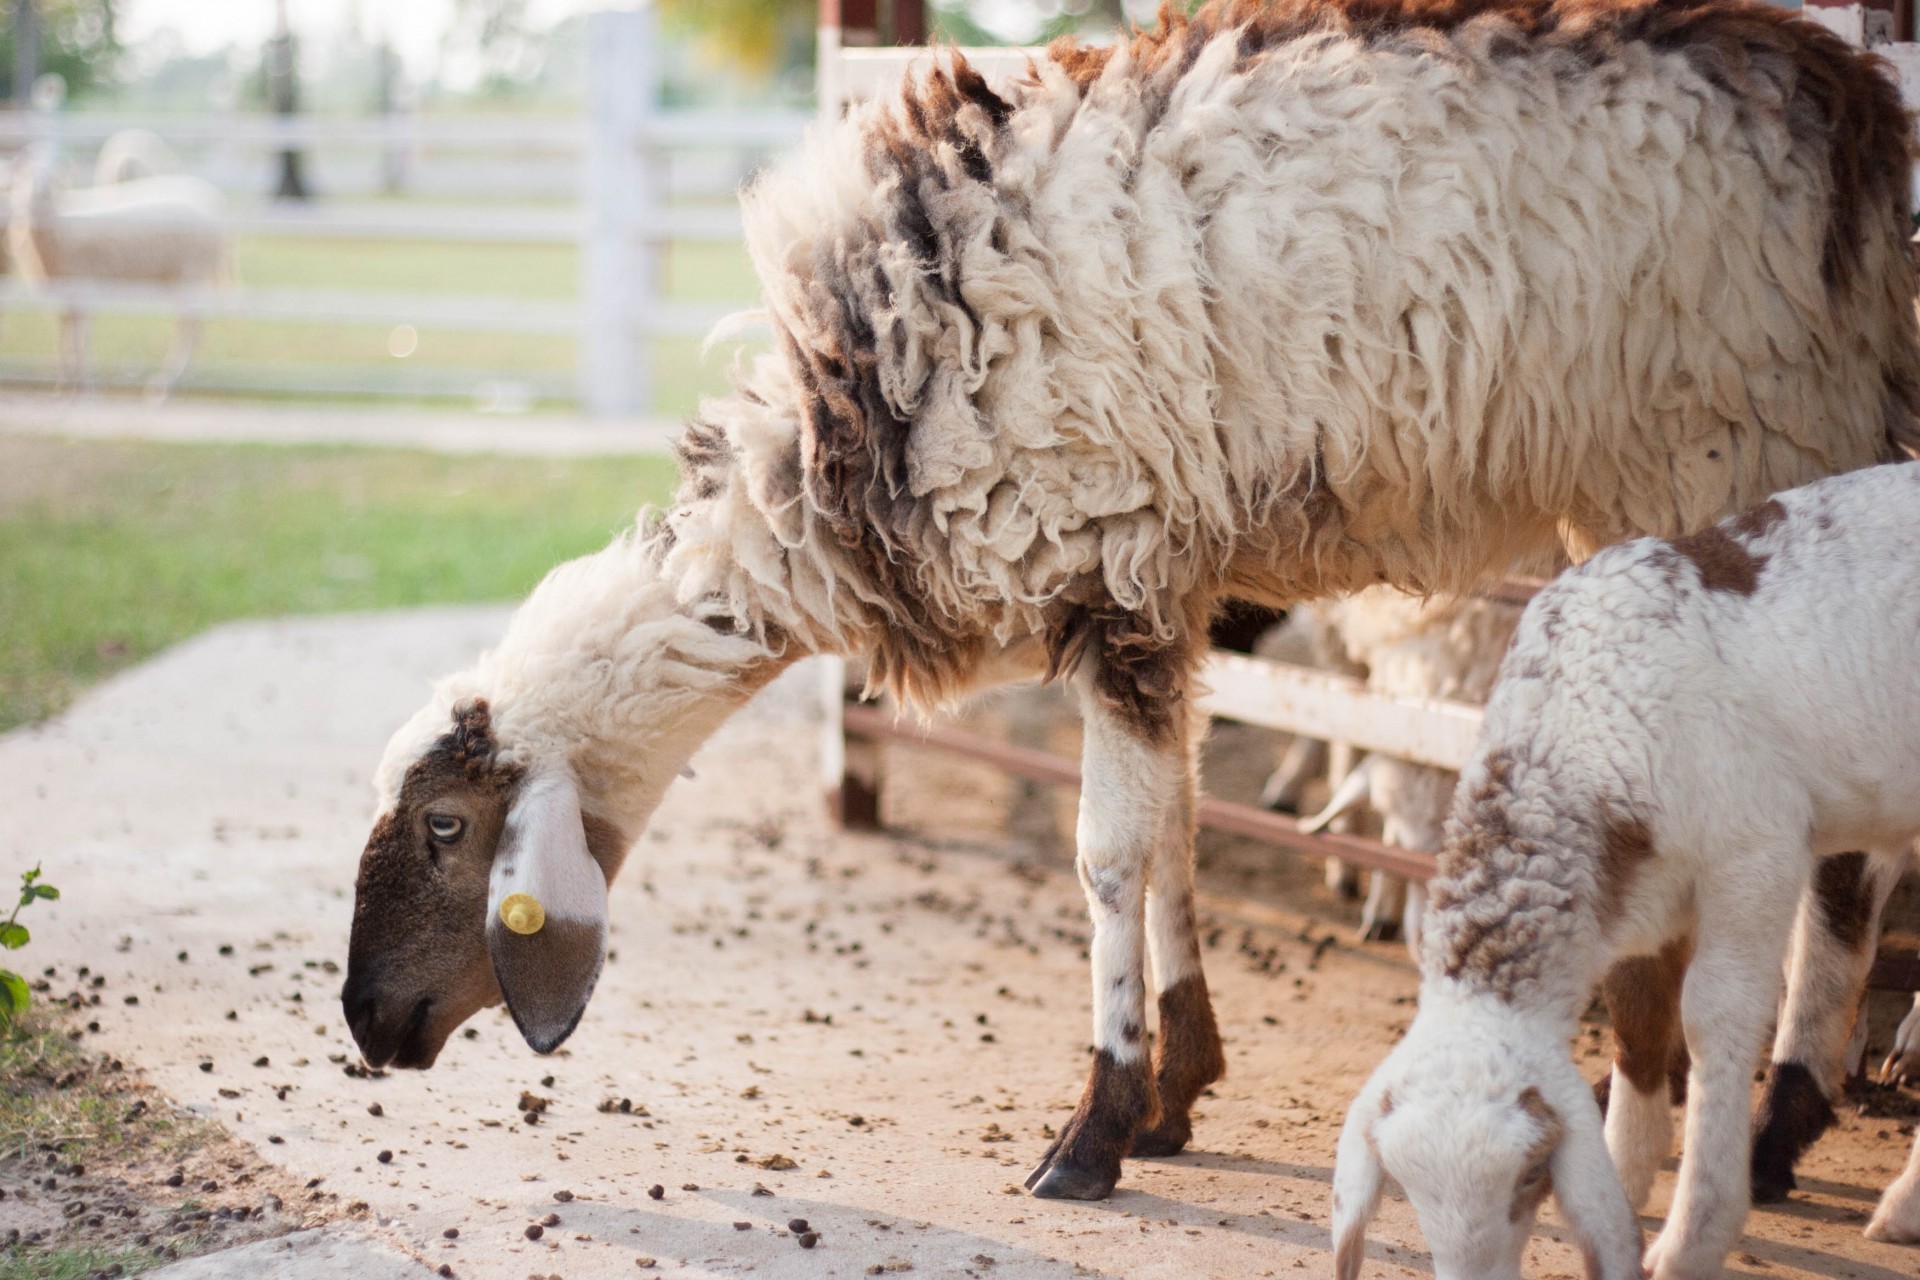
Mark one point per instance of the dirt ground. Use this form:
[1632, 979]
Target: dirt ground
[873, 1034]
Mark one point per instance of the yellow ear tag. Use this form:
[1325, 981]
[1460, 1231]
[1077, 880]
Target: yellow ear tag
[522, 913]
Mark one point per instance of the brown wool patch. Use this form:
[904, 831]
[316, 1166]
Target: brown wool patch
[1845, 897]
[1722, 561]
[1755, 521]
[1643, 1003]
[1190, 1058]
[1625, 843]
[1533, 1186]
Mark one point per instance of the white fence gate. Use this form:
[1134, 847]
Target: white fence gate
[621, 182]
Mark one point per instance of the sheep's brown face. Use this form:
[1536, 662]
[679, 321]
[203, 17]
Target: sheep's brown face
[436, 936]
[418, 964]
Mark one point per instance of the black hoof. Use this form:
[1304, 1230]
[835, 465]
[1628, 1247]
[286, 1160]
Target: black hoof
[1772, 1188]
[1162, 1141]
[1381, 931]
[1063, 1182]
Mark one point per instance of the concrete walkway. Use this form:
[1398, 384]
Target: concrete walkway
[869, 1035]
[192, 421]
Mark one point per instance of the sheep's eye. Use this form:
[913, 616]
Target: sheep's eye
[444, 827]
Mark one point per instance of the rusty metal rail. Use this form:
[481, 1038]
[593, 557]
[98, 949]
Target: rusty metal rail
[868, 723]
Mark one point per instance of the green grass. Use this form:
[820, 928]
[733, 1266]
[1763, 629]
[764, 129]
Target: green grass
[53, 1095]
[691, 273]
[111, 551]
[21, 1263]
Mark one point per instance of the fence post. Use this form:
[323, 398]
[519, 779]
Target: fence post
[618, 271]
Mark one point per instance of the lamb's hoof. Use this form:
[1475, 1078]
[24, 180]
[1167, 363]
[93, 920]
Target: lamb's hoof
[1064, 1182]
[1381, 931]
[1168, 1138]
[1603, 1092]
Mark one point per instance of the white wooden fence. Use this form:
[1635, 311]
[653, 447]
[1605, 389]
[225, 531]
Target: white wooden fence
[620, 182]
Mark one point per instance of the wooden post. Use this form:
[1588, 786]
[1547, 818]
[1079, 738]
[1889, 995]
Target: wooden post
[618, 271]
[851, 761]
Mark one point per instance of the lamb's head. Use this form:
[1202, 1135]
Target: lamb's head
[482, 879]
[1479, 1124]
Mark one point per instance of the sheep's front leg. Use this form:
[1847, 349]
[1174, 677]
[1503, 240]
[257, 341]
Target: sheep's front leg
[1903, 1060]
[1643, 1003]
[1188, 1049]
[1725, 1008]
[1130, 785]
[1835, 935]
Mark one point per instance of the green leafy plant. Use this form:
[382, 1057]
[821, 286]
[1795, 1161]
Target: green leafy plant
[14, 997]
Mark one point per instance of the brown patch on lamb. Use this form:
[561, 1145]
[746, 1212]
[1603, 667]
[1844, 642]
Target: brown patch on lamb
[1643, 1003]
[1536, 1179]
[1625, 843]
[1846, 899]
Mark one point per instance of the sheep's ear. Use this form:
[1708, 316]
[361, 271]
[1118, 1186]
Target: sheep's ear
[1357, 1181]
[1354, 791]
[546, 912]
[1589, 1194]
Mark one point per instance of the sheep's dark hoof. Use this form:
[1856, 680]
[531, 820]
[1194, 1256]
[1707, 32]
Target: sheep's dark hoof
[1168, 1138]
[1603, 1092]
[1062, 1182]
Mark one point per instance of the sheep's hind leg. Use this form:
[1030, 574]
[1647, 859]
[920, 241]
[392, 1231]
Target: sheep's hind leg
[1835, 934]
[1643, 1003]
[1131, 780]
[1188, 1048]
[1726, 1006]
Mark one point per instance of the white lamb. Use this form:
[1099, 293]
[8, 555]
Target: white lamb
[1681, 731]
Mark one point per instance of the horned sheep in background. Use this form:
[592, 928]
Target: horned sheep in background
[161, 230]
[1682, 731]
[1272, 303]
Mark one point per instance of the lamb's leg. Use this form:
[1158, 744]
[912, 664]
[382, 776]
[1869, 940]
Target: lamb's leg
[1386, 904]
[1131, 780]
[1189, 1052]
[1410, 917]
[1726, 1007]
[186, 340]
[1897, 1217]
[1903, 1062]
[1304, 760]
[1835, 934]
[1643, 1003]
[1343, 878]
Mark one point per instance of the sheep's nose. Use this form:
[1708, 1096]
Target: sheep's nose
[361, 1007]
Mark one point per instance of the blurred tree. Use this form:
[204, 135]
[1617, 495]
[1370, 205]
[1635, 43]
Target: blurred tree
[760, 37]
[76, 40]
[498, 34]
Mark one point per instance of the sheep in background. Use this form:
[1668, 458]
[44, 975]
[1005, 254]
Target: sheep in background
[1437, 647]
[1272, 303]
[131, 154]
[1681, 732]
[156, 231]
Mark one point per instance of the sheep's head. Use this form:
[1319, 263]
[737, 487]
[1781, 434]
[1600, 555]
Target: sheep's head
[1479, 1126]
[464, 826]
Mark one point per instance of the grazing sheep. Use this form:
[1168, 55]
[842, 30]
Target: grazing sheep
[161, 231]
[1272, 303]
[1681, 732]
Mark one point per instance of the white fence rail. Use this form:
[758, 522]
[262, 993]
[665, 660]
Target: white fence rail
[620, 182]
